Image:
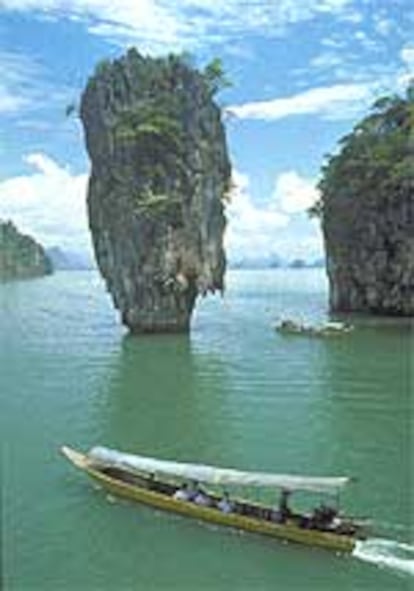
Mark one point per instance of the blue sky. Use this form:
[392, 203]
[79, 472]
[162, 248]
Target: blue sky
[303, 72]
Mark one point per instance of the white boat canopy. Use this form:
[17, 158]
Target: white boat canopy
[103, 456]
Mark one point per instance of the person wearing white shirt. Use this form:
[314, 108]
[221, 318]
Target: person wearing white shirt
[182, 494]
[202, 499]
[225, 505]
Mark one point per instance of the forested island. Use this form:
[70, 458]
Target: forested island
[21, 257]
[367, 212]
[160, 171]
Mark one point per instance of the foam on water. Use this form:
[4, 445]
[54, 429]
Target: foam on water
[388, 553]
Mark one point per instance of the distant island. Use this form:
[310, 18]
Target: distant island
[304, 264]
[69, 260]
[21, 257]
[275, 262]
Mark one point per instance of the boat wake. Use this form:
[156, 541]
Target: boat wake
[386, 553]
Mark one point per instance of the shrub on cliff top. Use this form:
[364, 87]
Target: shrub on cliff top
[375, 161]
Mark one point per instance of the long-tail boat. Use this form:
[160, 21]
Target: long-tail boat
[156, 482]
[327, 329]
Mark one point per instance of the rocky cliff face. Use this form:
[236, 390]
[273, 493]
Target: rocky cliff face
[160, 170]
[368, 213]
[370, 262]
[21, 257]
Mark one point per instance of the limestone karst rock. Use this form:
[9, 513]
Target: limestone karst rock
[367, 208]
[160, 170]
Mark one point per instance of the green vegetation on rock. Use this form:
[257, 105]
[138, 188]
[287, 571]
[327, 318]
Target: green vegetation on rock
[215, 76]
[367, 211]
[21, 257]
[376, 160]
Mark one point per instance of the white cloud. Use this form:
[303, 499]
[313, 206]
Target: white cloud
[16, 72]
[383, 25]
[180, 23]
[327, 60]
[352, 63]
[294, 193]
[364, 49]
[279, 227]
[406, 74]
[367, 42]
[27, 86]
[251, 230]
[353, 17]
[9, 102]
[407, 56]
[49, 203]
[334, 102]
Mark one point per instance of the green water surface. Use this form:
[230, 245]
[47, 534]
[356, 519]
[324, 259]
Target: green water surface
[232, 393]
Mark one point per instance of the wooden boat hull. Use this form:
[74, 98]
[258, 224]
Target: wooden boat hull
[288, 531]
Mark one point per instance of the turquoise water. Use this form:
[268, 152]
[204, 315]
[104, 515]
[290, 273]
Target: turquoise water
[233, 393]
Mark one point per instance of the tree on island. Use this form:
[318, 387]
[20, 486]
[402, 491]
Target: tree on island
[376, 160]
[367, 212]
[21, 257]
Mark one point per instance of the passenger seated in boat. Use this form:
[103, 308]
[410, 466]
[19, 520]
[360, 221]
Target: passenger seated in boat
[202, 499]
[284, 510]
[151, 484]
[193, 489]
[323, 516]
[183, 493]
[276, 516]
[224, 504]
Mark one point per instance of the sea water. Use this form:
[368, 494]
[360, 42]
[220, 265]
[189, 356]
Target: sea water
[232, 393]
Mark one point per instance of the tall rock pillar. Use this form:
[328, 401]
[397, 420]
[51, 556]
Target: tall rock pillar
[159, 172]
[367, 207]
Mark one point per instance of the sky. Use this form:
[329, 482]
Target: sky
[303, 72]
